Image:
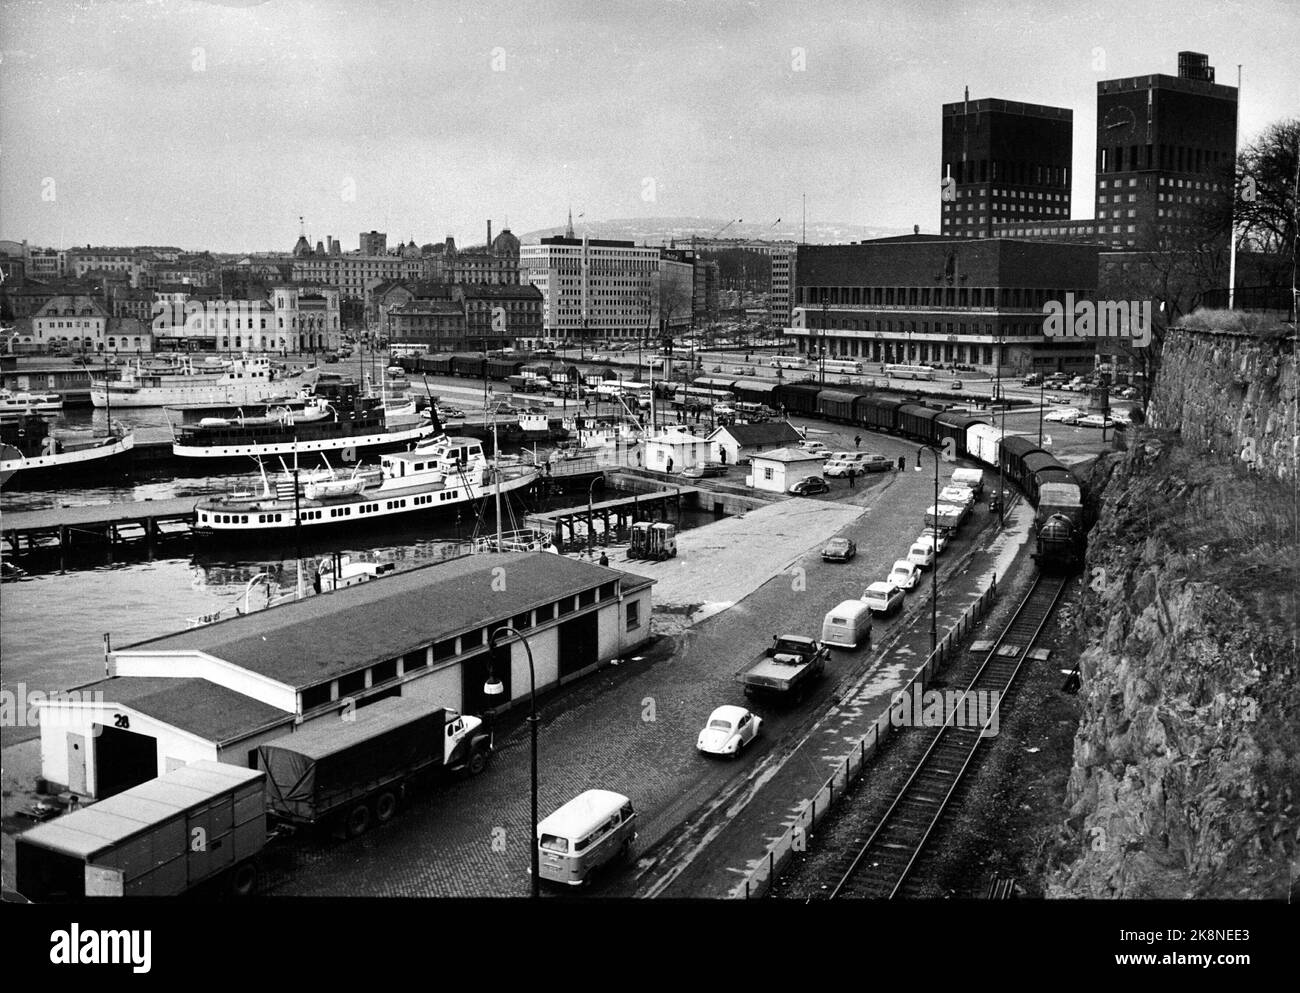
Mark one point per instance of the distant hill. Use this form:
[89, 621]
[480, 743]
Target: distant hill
[662, 230]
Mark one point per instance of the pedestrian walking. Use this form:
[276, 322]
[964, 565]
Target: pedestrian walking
[850, 478]
[857, 441]
[604, 559]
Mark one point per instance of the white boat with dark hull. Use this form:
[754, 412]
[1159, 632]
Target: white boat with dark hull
[442, 474]
[32, 457]
[13, 404]
[347, 426]
[236, 383]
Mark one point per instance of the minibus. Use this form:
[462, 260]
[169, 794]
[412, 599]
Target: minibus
[588, 831]
[848, 625]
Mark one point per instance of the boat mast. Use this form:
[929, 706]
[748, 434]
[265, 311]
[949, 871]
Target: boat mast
[496, 466]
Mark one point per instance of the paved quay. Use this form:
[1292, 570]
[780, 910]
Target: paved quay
[719, 565]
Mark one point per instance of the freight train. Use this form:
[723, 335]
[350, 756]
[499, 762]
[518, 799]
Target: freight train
[1051, 488]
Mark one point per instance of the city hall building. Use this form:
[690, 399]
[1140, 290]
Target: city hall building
[218, 692]
[931, 300]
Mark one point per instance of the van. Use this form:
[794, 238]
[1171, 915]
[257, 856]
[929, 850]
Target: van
[848, 625]
[587, 832]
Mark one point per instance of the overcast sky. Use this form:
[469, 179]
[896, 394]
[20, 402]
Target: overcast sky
[217, 123]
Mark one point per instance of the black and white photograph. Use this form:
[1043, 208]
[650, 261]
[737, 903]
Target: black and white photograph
[553, 468]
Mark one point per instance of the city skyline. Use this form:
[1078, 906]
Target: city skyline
[217, 125]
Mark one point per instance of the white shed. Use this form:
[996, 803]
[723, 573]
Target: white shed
[781, 468]
[675, 450]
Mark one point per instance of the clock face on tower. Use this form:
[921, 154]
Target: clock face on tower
[1118, 122]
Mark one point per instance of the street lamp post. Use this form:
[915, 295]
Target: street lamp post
[1041, 385]
[934, 566]
[494, 687]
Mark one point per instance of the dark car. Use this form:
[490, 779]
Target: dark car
[876, 463]
[810, 485]
[839, 550]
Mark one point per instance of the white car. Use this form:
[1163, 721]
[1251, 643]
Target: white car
[904, 574]
[1066, 415]
[815, 447]
[728, 731]
[1095, 421]
[935, 538]
[883, 598]
[921, 554]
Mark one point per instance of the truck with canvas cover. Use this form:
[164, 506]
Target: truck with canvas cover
[361, 763]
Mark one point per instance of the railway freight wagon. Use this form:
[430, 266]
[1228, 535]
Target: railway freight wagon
[760, 391]
[1012, 452]
[1040, 468]
[470, 366]
[983, 443]
[144, 842]
[798, 398]
[877, 413]
[503, 369]
[954, 426]
[917, 421]
[837, 405]
[436, 365]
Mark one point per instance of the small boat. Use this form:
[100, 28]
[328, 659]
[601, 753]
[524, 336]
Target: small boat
[33, 403]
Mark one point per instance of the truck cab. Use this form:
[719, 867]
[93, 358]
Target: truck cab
[464, 746]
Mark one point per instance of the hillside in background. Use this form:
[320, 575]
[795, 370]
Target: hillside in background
[662, 230]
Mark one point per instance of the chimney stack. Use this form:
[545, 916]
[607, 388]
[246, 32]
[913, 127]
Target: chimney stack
[489, 241]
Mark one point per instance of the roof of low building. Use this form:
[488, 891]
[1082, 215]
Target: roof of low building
[308, 641]
[788, 455]
[211, 711]
[770, 433]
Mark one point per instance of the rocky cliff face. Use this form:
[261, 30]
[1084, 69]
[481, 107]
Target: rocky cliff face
[1231, 393]
[1187, 758]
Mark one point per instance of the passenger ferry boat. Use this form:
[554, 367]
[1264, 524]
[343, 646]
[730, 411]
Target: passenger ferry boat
[12, 404]
[340, 423]
[32, 457]
[239, 382]
[440, 474]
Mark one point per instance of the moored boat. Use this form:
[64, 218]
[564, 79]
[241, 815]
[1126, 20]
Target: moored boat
[341, 423]
[30, 456]
[238, 382]
[442, 474]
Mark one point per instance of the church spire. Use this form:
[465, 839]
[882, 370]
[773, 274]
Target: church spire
[568, 232]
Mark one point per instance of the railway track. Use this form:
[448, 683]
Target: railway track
[882, 865]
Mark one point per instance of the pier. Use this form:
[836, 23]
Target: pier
[107, 527]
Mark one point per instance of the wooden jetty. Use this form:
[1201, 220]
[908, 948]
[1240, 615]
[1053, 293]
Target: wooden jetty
[69, 530]
[614, 516]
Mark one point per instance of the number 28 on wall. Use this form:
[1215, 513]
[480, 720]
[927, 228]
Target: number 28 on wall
[121, 721]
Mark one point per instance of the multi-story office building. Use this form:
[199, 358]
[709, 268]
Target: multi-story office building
[595, 288]
[1007, 161]
[83, 261]
[1164, 146]
[373, 243]
[942, 301]
[780, 298]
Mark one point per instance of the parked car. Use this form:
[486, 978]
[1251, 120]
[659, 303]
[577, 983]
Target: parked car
[816, 447]
[839, 550]
[921, 554]
[883, 598]
[956, 384]
[1066, 415]
[728, 731]
[876, 463]
[904, 574]
[705, 469]
[936, 537]
[1095, 421]
[839, 468]
[1033, 379]
[810, 485]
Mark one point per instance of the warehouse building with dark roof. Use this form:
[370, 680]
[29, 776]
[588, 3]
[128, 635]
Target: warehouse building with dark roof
[217, 692]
